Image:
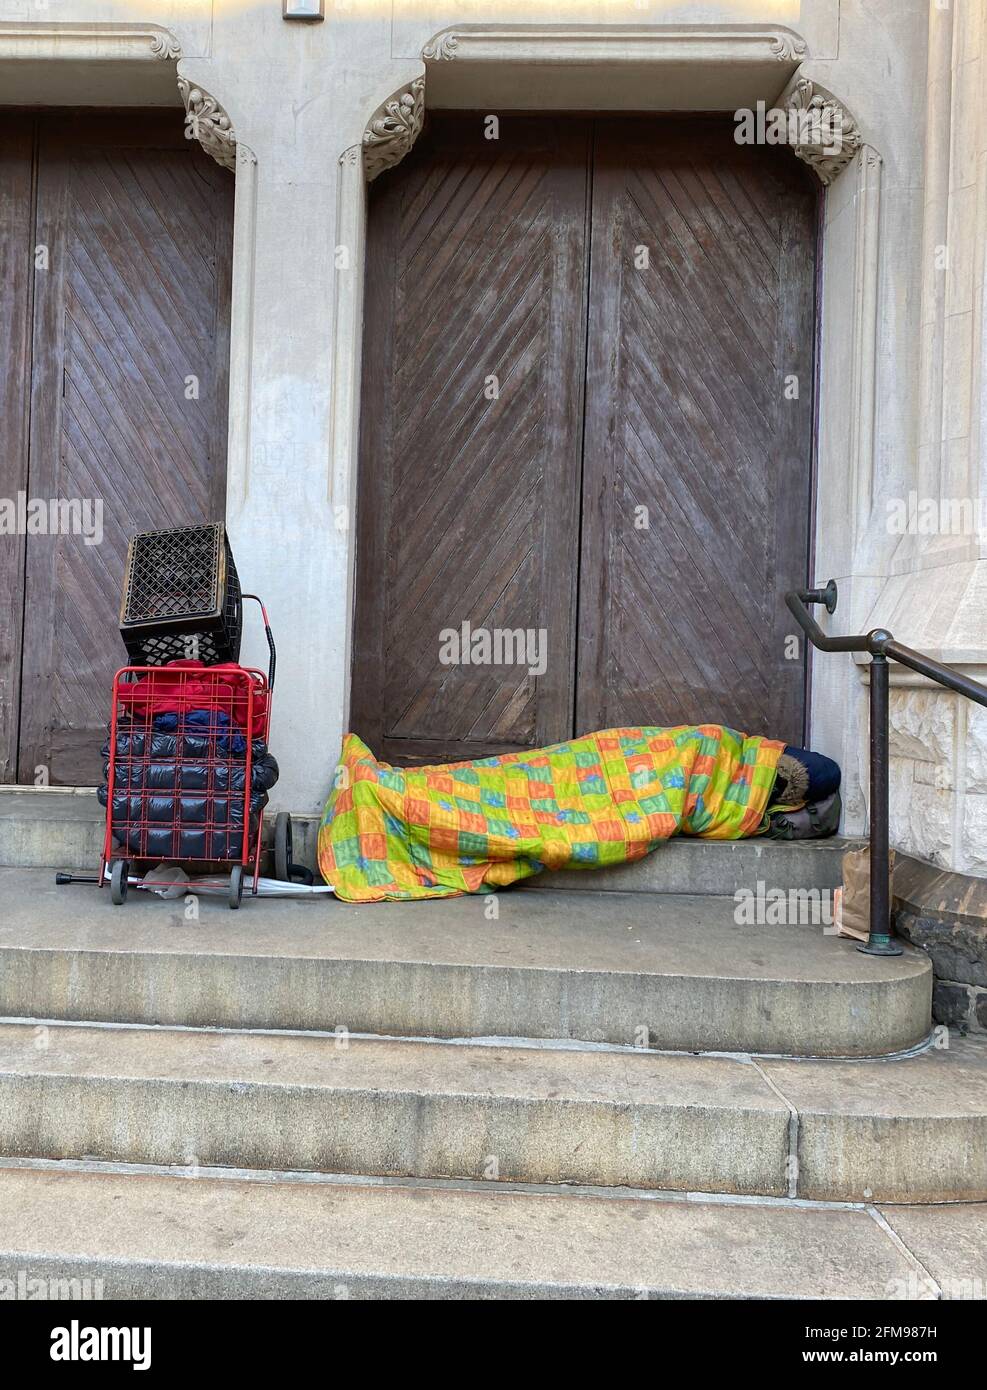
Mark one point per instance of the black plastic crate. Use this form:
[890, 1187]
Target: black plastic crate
[181, 597]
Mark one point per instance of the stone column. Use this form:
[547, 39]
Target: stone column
[935, 597]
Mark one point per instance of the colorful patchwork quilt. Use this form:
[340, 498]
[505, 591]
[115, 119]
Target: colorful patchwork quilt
[607, 798]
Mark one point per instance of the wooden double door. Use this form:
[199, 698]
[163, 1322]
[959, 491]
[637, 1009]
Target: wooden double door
[115, 261]
[587, 426]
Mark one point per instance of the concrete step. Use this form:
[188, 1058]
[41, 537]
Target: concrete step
[62, 828]
[627, 968]
[909, 1130]
[154, 1236]
[716, 867]
[50, 827]
[680, 866]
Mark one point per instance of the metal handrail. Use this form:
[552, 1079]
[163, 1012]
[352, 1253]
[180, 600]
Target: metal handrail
[881, 646]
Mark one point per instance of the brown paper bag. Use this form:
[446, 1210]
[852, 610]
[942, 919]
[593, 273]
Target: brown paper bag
[851, 905]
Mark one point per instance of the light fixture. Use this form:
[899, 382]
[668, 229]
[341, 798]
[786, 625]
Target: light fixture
[304, 9]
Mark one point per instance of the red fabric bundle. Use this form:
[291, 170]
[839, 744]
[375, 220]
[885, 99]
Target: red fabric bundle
[180, 686]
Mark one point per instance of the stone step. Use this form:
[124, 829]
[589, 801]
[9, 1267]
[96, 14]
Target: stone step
[62, 828]
[154, 1236]
[627, 968]
[909, 1130]
[50, 827]
[681, 866]
[715, 867]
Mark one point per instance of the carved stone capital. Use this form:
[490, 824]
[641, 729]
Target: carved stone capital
[788, 48]
[393, 129]
[165, 45]
[207, 122]
[826, 136]
[442, 48]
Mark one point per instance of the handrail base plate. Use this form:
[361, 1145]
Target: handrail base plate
[881, 946]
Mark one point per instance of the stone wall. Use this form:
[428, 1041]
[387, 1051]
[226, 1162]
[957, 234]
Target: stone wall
[946, 915]
[939, 778]
[934, 596]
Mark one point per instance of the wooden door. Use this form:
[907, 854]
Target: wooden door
[699, 410]
[471, 440]
[644, 290]
[16, 276]
[128, 392]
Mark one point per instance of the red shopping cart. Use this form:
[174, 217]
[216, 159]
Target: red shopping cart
[188, 769]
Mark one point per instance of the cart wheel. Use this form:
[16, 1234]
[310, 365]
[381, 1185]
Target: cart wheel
[119, 881]
[236, 885]
[282, 846]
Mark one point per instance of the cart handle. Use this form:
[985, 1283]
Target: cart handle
[270, 639]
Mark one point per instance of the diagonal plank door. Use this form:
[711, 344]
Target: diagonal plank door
[128, 401]
[17, 136]
[474, 356]
[697, 468]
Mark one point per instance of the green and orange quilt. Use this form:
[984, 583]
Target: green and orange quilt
[607, 798]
